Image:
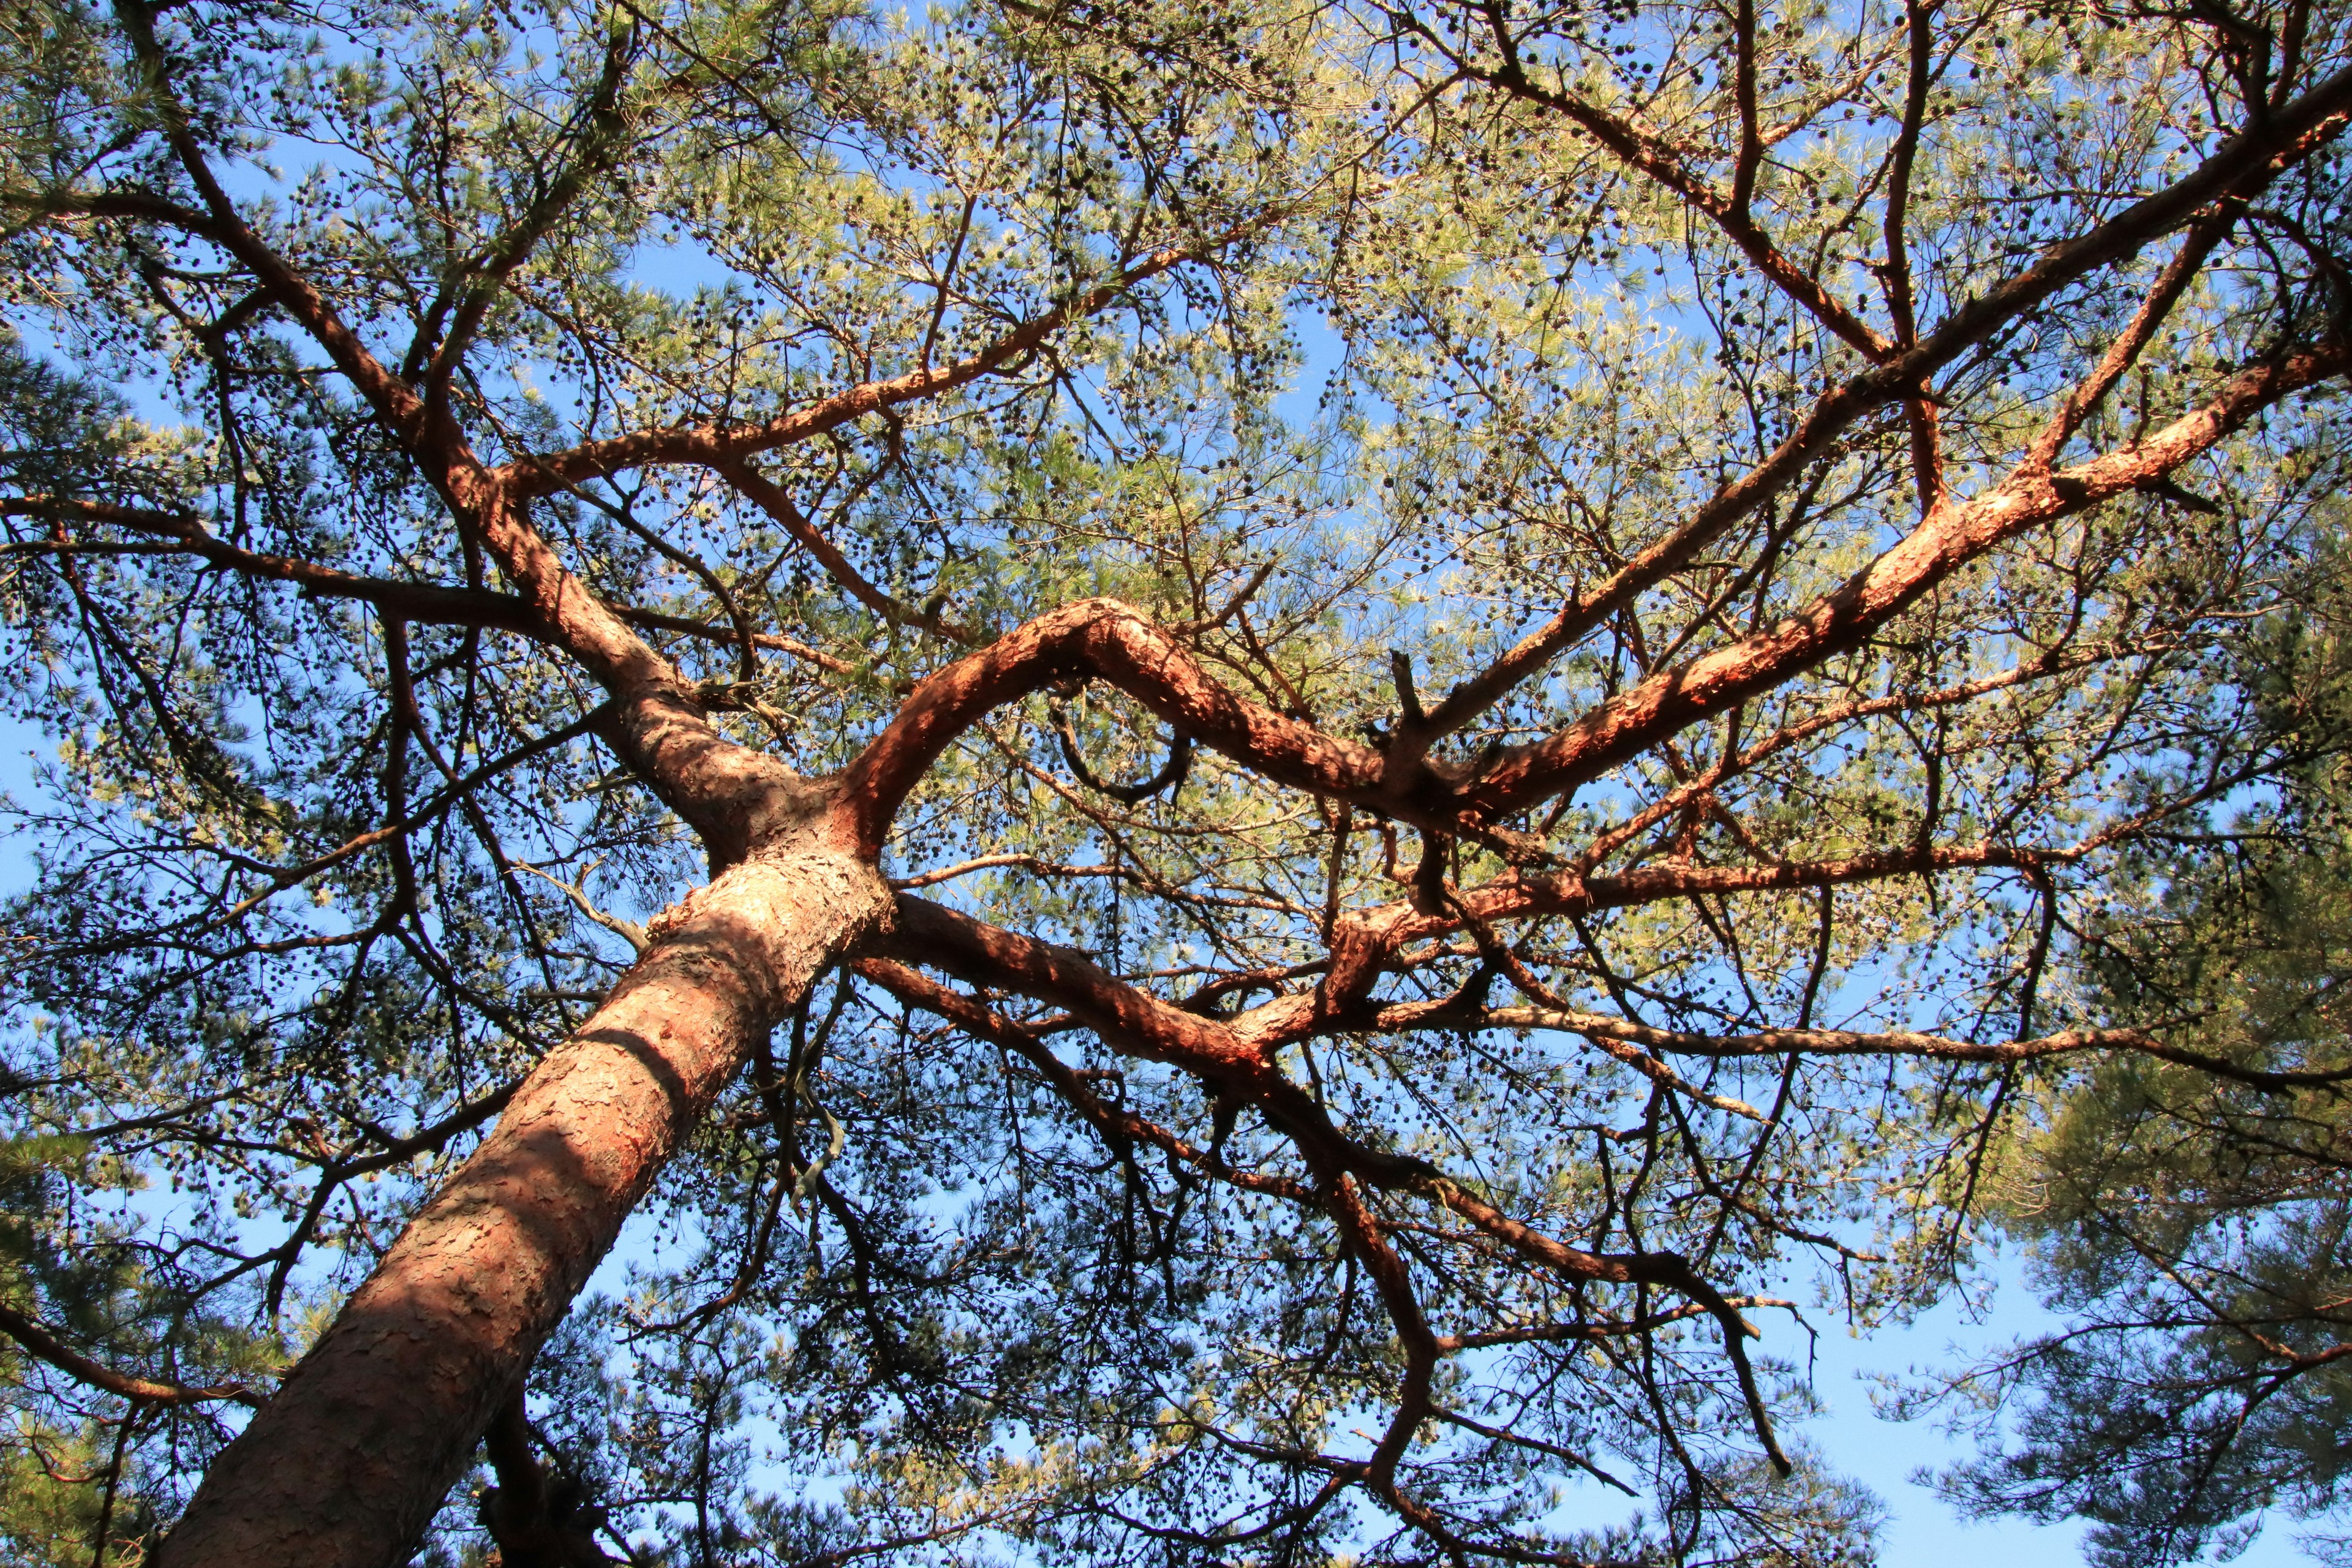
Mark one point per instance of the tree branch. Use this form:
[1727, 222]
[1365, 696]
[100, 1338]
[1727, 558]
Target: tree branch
[2238, 167]
[39, 1342]
[715, 446]
[1951, 537]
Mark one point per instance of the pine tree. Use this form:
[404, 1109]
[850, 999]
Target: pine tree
[1259, 783]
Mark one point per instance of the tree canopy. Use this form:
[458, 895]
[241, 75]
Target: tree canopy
[1262, 784]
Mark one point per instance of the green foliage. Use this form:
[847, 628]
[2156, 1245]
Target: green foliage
[2190, 1229]
[311, 871]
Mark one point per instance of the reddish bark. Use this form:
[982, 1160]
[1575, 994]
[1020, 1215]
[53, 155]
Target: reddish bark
[1231, 1063]
[1114, 642]
[1674, 699]
[444, 1329]
[1241, 1069]
[347, 1464]
[1117, 1125]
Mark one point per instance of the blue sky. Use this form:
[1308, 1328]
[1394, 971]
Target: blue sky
[1925, 1532]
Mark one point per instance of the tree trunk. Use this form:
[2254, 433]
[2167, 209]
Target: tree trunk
[345, 1467]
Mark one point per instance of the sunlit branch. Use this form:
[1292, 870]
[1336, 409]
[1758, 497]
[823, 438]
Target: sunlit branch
[2163, 294]
[1112, 642]
[2237, 168]
[1672, 699]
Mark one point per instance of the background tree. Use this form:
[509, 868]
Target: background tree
[1278, 979]
[2188, 1227]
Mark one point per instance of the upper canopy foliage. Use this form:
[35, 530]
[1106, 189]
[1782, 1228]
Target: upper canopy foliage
[1727, 547]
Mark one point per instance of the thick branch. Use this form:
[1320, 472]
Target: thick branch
[716, 786]
[1242, 1070]
[1114, 642]
[1949, 538]
[2238, 167]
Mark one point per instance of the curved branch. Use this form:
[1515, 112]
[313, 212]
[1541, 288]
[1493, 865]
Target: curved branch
[715, 446]
[39, 1342]
[726, 793]
[1171, 774]
[1118, 643]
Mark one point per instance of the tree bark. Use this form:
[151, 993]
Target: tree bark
[537, 1515]
[346, 1465]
